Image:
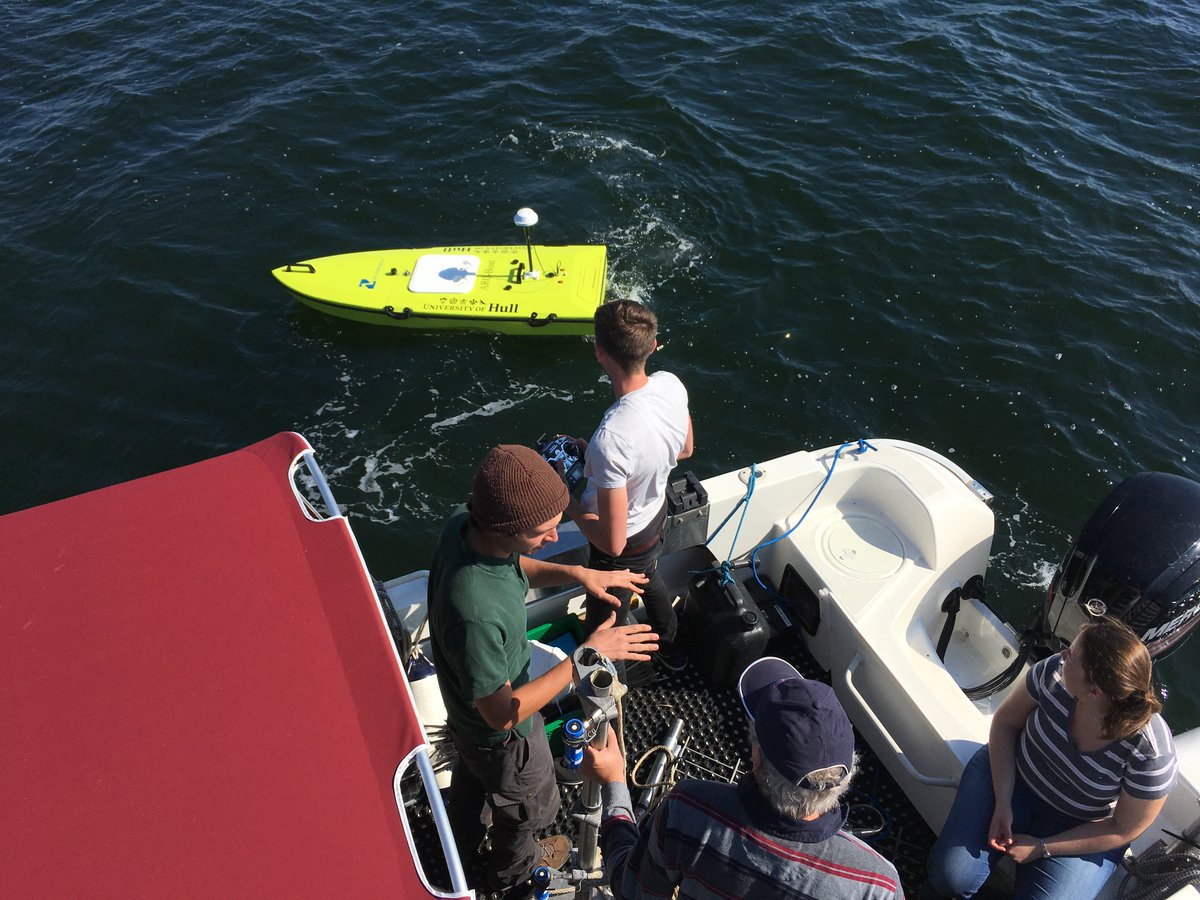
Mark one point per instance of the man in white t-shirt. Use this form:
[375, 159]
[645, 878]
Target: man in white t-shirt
[642, 436]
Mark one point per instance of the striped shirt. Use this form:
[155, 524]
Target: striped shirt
[722, 841]
[1086, 785]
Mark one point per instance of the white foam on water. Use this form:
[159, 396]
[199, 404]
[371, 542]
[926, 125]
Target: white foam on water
[393, 468]
[488, 409]
[594, 145]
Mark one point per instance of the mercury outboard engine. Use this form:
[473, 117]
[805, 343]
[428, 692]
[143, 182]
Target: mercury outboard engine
[1137, 559]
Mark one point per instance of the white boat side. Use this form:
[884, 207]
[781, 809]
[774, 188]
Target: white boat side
[879, 543]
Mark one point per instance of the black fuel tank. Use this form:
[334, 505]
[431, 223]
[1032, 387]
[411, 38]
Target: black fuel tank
[724, 630]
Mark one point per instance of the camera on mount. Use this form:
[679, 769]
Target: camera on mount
[565, 451]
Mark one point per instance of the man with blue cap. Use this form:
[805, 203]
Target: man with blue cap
[777, 833]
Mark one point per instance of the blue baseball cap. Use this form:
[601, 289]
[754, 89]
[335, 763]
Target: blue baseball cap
[800, 725]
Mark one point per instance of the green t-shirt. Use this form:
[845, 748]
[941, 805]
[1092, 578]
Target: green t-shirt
[477, 629]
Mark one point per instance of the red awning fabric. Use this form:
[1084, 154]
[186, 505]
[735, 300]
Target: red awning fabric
[198, 695]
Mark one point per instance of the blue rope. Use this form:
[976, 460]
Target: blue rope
[727, 566]
[744, 503]
[745, 499]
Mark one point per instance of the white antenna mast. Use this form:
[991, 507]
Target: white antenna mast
[526, 218]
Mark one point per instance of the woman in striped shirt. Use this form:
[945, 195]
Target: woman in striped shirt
[1078, 764]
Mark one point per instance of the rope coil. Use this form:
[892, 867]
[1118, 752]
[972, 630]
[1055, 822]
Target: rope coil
[1158, 873]
[668, 781]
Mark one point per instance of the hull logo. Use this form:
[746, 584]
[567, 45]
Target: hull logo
[367, 283]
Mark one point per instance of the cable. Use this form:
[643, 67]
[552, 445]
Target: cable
[727, 566]
[1005, 678]
[1160, 874]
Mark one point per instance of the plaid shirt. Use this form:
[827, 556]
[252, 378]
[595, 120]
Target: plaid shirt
[720, 841]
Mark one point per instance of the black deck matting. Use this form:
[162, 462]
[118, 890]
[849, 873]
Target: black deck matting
[715, 739]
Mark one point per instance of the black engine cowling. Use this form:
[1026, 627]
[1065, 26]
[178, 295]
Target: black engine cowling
[1138, 559]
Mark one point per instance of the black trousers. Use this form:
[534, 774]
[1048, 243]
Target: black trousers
[515, 781]
[655, 595]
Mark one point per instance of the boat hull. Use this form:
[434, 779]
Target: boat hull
[478, 287]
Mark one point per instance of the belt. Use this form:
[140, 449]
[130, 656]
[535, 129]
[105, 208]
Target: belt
[657, 526]
[635, 551]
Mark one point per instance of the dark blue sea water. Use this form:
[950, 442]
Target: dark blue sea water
[971, 225]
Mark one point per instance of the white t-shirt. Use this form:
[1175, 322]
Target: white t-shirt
[636, 447]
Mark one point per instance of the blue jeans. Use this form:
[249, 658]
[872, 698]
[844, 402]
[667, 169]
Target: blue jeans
[961, 859]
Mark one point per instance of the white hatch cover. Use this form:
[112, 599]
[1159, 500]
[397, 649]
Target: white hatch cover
[444, 273]
[864, 547]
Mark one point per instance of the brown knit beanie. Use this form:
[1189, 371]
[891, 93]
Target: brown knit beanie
[515, 490]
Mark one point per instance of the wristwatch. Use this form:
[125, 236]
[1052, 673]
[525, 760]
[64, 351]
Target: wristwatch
[1045, 849]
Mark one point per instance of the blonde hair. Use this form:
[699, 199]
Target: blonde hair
[1117, 662]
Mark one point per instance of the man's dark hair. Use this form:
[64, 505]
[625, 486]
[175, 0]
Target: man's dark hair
[626, 331]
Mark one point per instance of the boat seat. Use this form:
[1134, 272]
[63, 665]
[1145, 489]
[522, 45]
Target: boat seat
[889, 538]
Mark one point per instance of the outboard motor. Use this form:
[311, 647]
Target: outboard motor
[1137, 559]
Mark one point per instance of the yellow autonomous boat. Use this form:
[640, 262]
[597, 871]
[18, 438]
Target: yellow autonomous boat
[534, 289]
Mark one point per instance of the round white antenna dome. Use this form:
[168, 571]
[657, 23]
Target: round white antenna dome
[525, 217]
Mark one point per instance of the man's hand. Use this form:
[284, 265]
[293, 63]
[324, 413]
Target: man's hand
[598, 583]
[603, 765]
[634, 642]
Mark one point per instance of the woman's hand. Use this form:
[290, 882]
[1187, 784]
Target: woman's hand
[1025, 848]
[1131, 817]
[1000, 836]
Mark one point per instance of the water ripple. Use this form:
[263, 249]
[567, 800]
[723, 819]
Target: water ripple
[975, 226]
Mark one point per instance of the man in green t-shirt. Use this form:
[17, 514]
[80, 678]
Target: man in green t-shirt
[478, 580]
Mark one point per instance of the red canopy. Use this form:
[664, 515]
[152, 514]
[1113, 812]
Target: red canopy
[199, 695]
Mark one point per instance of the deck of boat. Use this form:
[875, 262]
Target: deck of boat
[714, 743]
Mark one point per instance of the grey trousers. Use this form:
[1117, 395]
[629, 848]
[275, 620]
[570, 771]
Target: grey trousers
[516, 783]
